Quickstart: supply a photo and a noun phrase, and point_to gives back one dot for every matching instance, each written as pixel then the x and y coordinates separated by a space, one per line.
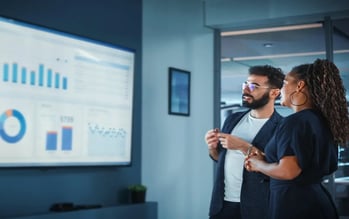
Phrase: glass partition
pixel 286 47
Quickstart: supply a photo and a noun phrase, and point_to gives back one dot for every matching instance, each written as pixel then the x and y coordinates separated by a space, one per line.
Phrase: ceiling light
pixel 226 59
pixel 286 55
pixel 268 45
pixel 271 29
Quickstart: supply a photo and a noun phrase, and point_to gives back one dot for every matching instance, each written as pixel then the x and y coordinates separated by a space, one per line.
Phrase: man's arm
pixel 213 152
pixel 212 141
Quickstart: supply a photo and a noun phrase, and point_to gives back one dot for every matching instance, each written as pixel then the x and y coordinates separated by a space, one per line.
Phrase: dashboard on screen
pixel 65 100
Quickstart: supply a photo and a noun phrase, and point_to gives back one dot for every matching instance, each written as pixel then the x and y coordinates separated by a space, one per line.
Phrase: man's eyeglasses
pixel 252 86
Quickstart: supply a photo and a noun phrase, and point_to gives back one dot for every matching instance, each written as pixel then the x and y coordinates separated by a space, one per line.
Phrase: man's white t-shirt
pixel 246 129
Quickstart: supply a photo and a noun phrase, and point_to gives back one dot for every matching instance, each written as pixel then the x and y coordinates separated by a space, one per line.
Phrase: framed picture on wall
pixel 179 92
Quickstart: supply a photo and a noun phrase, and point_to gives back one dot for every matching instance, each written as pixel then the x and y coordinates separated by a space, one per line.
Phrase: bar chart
pixel 41 77
pixel 66 139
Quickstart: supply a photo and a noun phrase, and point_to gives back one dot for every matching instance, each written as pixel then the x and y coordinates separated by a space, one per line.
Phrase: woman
pixel 304 147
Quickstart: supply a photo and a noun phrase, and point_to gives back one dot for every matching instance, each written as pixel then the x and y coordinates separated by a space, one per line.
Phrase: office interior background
pixel 169 154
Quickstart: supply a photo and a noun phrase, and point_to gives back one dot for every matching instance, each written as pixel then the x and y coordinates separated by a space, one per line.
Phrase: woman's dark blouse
pixel 306 135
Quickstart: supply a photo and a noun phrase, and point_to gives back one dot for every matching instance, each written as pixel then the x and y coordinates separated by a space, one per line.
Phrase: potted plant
pixel 137 192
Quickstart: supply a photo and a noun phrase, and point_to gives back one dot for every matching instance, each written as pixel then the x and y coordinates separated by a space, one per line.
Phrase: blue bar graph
pixel 14 72
pixel 5 75
pixel 64 83
pixel 49 78
pixel 57 80
pixel 67 137
pixel 24 75
pixel 32 78
pixel 51 141
pixel 42 76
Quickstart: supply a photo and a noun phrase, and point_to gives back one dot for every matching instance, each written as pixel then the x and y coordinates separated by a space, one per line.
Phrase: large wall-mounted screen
pixel 65 100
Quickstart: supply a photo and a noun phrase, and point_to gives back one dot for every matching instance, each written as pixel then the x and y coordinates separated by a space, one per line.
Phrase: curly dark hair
pixel 275 75
pixel 328 95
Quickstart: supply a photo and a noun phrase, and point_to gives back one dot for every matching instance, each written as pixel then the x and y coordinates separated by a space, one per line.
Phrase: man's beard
pixel 256 104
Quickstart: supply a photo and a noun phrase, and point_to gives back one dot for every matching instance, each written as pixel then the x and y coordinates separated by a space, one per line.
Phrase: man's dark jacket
pixel 254 195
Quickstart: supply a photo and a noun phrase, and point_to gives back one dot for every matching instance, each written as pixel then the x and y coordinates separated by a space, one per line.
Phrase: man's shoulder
pixel 237 115
pixel 232 119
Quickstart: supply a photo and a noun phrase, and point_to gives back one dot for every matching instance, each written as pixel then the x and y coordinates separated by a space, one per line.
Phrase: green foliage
pixel 137 187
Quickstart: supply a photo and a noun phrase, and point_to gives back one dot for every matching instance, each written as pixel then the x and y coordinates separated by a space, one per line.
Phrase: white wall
pixel 175 163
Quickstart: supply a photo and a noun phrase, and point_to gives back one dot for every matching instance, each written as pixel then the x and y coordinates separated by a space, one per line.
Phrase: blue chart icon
pixel 16 114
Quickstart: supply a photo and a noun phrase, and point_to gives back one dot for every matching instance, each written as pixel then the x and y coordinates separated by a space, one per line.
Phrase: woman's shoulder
pixel 300 118
pixel 306 114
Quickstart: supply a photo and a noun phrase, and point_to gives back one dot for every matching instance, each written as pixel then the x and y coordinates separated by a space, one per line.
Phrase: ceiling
pixel 284 49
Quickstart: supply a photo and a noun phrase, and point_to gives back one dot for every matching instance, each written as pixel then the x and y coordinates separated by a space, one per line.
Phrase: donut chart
pixel 19 116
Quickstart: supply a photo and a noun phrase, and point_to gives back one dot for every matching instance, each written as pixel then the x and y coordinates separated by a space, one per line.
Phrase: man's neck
pixel 263 112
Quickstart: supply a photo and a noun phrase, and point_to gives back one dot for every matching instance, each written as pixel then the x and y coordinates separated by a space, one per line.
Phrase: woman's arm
pixel 286 169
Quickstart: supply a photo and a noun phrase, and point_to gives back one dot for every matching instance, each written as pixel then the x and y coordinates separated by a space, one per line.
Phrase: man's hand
pixel 212 139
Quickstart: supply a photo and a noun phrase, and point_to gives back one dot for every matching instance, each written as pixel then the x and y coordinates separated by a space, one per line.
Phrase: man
pixel 237 193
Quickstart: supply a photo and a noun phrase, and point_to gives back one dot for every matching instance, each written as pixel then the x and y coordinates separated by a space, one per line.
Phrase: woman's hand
pixel 254 160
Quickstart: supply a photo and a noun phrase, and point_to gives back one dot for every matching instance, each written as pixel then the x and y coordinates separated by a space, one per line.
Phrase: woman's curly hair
pixel 328 95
